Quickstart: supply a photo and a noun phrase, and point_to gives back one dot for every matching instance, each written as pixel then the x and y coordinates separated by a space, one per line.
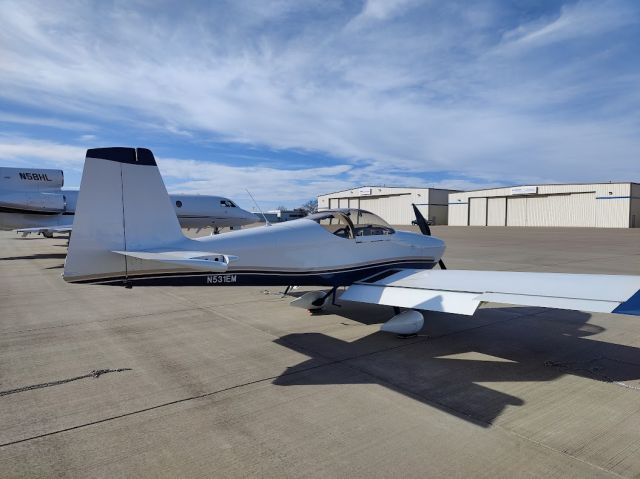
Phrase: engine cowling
pixel 30 179
pixel 21 201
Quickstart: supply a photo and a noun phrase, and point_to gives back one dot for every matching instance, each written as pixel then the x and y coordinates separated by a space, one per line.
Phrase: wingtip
pixel 631 306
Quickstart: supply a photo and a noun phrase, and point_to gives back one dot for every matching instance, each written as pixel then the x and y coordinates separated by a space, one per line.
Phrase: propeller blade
pixel 424 228
pixel 422 223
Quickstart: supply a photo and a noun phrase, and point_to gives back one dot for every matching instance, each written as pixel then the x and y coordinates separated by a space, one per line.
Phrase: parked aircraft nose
pixel 249 217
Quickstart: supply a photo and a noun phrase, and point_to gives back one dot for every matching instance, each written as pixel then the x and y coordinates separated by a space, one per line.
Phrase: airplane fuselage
pixel 299 252
pixel 135 239
pixel 193 211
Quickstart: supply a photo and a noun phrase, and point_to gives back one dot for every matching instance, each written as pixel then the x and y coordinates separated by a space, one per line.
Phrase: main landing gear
pixel 315 300
pixel 405 324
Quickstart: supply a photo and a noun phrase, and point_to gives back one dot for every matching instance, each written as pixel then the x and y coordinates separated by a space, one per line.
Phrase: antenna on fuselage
pixel 266 221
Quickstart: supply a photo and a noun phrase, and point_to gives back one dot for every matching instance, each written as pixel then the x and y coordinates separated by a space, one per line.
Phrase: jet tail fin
pixel 123 205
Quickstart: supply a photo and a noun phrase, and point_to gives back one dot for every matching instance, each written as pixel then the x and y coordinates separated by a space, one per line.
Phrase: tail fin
pixel 122 206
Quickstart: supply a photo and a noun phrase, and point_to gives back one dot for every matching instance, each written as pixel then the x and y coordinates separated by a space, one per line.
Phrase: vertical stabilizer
pixel 122 206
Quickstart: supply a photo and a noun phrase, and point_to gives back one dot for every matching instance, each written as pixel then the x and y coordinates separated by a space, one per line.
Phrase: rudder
pixel 122 205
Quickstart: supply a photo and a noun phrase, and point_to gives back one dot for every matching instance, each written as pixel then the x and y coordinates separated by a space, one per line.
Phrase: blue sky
pixel 292 99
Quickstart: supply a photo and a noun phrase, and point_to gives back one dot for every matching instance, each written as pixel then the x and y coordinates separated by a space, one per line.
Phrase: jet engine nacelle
pixel 33 202
pixel 20 179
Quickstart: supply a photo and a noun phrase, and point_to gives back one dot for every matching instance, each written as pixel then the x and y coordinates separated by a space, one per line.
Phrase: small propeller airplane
pixel 126 232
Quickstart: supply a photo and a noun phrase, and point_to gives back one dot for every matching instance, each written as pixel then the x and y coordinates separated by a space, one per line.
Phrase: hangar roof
pixel 547 184
pixel 390 187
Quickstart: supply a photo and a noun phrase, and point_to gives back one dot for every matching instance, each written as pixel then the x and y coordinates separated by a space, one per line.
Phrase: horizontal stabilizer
pixel 47 229
pixel 461 292
pixel 190 259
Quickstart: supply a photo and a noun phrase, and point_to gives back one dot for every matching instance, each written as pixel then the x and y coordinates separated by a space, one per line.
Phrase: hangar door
pixel 575 209
pixel 517 211
pixel 344 203
pixel 496 211
pixel 477 212
pixel 368 204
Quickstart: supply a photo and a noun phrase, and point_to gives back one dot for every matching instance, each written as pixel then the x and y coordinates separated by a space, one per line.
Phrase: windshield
pixel 366 223
pixel 228 203
pixel 349 223
pixel 335 222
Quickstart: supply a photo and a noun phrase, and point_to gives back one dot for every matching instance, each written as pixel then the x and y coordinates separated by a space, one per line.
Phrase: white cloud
pixel 582 19
pixel 433 88
pixel 270 186
pixel 29 151
pixel 376 10
pixel 44 121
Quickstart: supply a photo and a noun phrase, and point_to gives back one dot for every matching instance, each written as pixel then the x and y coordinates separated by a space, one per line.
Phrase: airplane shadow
pixel 451 368
pixel 36 256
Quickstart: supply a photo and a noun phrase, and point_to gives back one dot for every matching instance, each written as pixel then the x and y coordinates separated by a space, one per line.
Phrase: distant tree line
pixel 309 207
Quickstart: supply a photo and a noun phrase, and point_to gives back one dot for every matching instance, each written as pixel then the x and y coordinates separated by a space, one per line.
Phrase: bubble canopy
pixel 352 223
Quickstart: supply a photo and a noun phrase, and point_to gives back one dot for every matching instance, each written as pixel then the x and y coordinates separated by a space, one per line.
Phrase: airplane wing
pixel 461 292
pixel 199 260
pixel 45 229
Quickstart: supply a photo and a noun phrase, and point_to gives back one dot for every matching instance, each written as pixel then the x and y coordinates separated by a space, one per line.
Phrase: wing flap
pixel 430 300
pixel 578 304
pixel 462 292
pixel 200 260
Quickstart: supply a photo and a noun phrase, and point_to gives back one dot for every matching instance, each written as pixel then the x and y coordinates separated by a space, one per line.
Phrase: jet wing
pixel 45 229
pixel 461 292
pixel 200 260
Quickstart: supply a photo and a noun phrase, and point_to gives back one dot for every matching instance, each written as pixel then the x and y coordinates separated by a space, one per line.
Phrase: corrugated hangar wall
pixel 603 205
pixel 393 204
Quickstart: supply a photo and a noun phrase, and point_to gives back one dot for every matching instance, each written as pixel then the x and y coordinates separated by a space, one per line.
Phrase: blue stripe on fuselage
pixel 272 278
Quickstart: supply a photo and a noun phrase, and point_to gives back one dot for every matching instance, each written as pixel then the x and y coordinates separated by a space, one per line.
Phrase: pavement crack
pixel 593 369
pixel 191 398
pixel 157 406
pixel 96 373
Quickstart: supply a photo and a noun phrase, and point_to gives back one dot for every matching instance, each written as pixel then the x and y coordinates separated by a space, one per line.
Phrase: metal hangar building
pixel 599 205
pixel 393 204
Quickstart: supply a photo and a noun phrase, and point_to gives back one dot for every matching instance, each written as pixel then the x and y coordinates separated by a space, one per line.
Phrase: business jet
pixel 33 201
pixel 126 233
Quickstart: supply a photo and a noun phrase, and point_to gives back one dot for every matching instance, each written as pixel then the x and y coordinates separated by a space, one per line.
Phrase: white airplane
pixel 125 233
pixel 33 201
